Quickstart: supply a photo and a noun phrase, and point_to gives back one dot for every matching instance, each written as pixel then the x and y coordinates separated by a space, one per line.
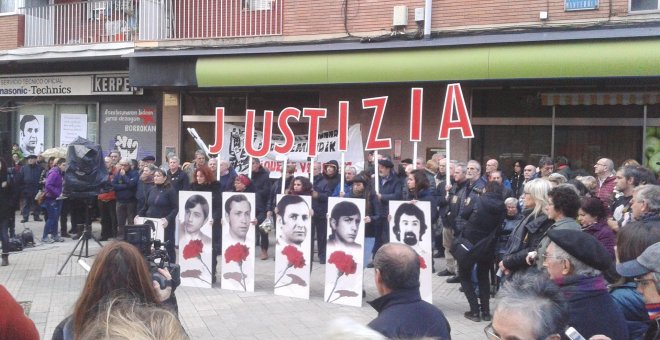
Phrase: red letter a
pixel 454 99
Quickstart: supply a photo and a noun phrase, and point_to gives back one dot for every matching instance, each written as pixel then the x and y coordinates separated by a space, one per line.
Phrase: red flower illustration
pixel 295 258
pixel 422 263
pixel 193 249
pixel 344 262
pixel 237 253
pixel 345 266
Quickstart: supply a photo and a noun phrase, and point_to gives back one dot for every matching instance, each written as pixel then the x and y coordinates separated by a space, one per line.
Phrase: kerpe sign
pixel 78 85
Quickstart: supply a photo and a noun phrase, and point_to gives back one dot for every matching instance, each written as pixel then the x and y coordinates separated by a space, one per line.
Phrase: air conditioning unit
pixel 400 17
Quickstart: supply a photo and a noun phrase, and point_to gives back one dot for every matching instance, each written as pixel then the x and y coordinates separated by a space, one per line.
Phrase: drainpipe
pixel 428 7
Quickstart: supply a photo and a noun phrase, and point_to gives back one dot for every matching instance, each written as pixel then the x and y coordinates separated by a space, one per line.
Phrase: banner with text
pixel 129 128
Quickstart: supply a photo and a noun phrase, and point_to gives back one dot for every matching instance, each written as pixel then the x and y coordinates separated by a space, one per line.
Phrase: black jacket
pixel 179 180
pixel 402 314
pixel 483 217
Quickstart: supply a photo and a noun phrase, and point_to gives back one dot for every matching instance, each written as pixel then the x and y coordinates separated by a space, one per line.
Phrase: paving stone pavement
pixel 213 313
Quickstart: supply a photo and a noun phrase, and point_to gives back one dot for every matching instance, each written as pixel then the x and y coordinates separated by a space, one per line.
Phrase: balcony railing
pixel 93 22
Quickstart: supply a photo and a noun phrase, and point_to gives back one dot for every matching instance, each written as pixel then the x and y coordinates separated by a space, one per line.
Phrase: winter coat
pixel 390 190
pixel 525 238
pixel 54 182
pixel 483 217
pixel 6 196
pixel 261 185
pixel 631 303
pixel 29 179
pixel 126 186
pixel 602 232
pixel 161 202
pixel 179 180
pixel 402 314
pixel 325 187
pixel 508 225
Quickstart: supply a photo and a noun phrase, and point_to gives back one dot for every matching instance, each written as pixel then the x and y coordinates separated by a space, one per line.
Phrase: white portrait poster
pixel 411 224
pixel 195 238
pixel 293 245
pixel 344 268
pixel 31 134
pixel 238 241
pixel 72 126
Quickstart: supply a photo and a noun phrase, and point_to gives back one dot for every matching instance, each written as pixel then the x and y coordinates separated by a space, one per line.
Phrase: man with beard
pixel 409 221
pixel 627 179
pixel 322 190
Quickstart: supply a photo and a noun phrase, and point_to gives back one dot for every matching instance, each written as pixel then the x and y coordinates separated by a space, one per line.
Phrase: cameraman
pixel 119 266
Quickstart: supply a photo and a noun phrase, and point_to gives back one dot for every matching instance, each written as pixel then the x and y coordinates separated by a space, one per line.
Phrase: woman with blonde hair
pixel 527 235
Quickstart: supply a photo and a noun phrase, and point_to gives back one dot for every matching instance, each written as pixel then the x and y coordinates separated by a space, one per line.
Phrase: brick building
pixel 545 78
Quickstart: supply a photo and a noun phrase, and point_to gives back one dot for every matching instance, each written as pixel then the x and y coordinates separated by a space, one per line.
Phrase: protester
pixel 107 205
pixel 52 203
pixel 592 217
pixel 178 178
pixel 119 267
pixel 144 184
pixel 125 318
pixel 323 189
pixel 362 189
pixel 528 306
pixel 30 179
pixel 604 170
pixel 646 203
pixel 162 203
pixel 631 242
pixel 389 189
pixel 125 183
pixel 402 314
pixel 14 324
pixel 483 218
pixel 527 235
pixel 204 181
pixel 575 261
pixel 6 210
pixel 261 184
pixel 645 269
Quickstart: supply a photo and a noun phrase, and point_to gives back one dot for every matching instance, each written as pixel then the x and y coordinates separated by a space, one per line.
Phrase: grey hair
pixel 175 158
pixel 511 200
pixel 557 178
pixel 538 188
pixel 535 298
pixel 224 162
pixel 609 164
pixel 649 194
pixel 579 267
pixel 476 164
pixel 463 167
pixel 200 152
pixel 351 168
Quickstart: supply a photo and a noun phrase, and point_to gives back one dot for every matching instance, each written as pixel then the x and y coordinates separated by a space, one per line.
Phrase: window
pixel 257 5
pixel 644 5
pixel 10 6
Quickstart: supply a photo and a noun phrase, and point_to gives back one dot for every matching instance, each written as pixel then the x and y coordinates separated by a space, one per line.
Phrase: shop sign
pixel 578 5
pixel 76 85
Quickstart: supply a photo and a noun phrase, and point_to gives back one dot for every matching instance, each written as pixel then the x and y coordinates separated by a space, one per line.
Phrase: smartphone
pixel 573 334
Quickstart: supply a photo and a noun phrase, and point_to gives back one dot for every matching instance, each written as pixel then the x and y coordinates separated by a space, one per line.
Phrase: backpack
pixel 15 244
pixel 27 238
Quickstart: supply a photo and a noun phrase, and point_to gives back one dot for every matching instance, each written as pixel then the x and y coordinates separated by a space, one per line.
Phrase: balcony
pixel 99 22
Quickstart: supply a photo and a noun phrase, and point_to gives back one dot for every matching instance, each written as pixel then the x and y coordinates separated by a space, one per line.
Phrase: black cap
pixel 386 161
pixel 407 161
pixel 30 156
pixel 332 163
pixel 583 247
pixel 149 159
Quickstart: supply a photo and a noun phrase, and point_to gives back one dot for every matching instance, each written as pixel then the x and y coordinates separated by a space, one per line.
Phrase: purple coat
pixel 54 181
pixel 602 232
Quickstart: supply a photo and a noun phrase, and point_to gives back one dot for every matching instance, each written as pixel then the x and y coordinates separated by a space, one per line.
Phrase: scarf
pixel 653 310
pixel 576 286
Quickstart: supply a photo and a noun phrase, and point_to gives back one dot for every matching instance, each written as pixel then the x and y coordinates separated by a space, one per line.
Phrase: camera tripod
pixel 86 235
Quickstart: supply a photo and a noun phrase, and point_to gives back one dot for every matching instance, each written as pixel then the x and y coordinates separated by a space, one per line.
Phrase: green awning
pixel 584 59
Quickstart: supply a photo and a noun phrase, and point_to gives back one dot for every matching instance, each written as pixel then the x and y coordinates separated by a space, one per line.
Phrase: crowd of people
pixel 543 233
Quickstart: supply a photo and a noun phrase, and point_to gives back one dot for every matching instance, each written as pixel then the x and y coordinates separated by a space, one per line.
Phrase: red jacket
pixel 605 191
pixel 13 322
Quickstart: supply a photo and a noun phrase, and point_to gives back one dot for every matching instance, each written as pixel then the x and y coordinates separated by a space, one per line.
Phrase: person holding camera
pixel 119 268
pixel 162 202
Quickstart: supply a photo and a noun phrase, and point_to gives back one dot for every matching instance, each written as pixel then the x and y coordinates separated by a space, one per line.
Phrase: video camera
pixel 140 237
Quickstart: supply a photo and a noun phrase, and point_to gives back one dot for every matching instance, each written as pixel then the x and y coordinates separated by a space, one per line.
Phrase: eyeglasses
pixel 490 332
pixel 552 257
pixel 644 282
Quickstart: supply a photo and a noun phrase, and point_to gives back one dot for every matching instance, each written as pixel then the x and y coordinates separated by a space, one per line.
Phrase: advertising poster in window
pixel 195 238
pixel 72 126
pixel 129 128
pixel 344 269
pixel 31 134
pixel 411 224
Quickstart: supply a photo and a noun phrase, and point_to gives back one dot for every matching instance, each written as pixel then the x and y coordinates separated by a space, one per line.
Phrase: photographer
pixel 119 266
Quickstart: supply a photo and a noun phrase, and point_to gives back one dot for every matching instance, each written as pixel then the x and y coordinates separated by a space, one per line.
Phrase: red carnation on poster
pixel 295 259
pixel 237 253
pixel 194 249
pixel 422 263
pixel 345 266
